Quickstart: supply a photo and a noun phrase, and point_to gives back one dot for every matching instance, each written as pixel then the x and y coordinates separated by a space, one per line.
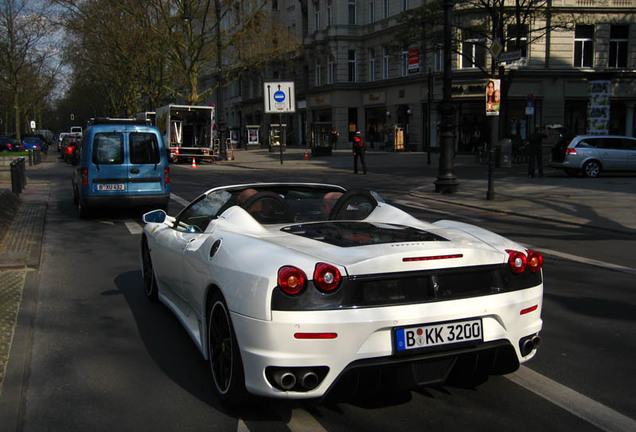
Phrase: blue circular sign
pixel 279 96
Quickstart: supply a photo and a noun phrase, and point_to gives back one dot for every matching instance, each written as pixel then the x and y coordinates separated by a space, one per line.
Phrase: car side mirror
pixel 155 216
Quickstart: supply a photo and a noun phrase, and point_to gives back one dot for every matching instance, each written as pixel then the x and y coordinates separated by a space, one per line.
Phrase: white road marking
pixel 302 421
pixel 133 227
pixel 178 199
pixel 589 261
pixel 242 427
pixel 581 406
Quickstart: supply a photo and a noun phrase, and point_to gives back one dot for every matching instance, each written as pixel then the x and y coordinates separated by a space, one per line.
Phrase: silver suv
pixel 591 154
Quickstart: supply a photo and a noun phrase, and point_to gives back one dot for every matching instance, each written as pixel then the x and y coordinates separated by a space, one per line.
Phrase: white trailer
pixel 188 131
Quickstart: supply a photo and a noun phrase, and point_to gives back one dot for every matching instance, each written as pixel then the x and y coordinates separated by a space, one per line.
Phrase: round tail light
pixel 326 277
pixel 291 280
pixel 534 261
pixel 517 261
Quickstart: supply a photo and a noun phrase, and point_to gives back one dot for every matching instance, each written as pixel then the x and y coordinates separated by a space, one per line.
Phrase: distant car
pixel 9 144
pixel 121 164
pixel 291 289
pixel 593 154
pixel 70 147
pixel 32 143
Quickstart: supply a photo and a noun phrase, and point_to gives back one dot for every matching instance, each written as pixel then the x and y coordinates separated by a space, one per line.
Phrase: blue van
pixel 121 163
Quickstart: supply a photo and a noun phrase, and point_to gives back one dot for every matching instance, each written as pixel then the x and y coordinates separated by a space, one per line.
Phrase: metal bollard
pixel 18 175
pixel 30 157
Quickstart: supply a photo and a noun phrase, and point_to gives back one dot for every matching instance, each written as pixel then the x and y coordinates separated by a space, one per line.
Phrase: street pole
pixel 494 134
pixel 446 181
pixel 219 81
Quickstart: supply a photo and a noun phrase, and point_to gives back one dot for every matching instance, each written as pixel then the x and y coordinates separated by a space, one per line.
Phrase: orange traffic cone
pixel 194 163
pixel 306 154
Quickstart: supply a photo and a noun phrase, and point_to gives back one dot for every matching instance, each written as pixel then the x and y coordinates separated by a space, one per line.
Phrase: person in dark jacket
pixel 535 154
pixel 359 149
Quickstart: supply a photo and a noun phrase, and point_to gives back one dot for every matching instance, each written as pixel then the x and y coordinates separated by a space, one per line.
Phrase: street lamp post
pixel 446 180
pixel 220 121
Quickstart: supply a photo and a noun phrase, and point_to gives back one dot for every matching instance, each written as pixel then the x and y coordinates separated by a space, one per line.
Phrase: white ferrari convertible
pixel 293 290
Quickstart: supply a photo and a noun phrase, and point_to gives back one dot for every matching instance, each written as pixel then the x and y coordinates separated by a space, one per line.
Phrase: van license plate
pixel 425 336
pixel 110 187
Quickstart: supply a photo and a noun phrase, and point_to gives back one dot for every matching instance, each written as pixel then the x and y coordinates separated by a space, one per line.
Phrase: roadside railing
pixel 18 175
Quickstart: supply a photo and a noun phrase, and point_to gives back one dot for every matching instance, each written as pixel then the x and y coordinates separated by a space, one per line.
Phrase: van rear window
pixel 108 148
pixel 144 148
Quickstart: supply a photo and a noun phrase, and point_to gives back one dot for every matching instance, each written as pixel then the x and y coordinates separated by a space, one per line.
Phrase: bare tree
pixel 26 70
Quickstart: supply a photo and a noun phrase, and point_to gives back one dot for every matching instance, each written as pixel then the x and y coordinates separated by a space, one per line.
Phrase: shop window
pixel 317 15
pixel 318 73
pixel 473 50
pixel 352 12
pixel 619 35
pixel 518 39
pixel 352 66
pixel 584 46
pixel 371 64
pixel 404 63
pixel 438 58
pixel 331 67
pixel 385 63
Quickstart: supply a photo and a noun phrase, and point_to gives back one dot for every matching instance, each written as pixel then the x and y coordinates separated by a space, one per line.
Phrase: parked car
pixel 593 154
pixel 291 290
pixel 32 143
pixel 121 164
pixel 9 144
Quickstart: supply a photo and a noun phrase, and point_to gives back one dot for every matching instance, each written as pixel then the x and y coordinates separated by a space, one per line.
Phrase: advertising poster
pixel 493 97
pixel 598 112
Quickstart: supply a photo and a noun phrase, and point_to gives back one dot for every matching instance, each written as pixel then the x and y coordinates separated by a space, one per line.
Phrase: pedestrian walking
pixel 535 153
pixel 359 149
pixel 333 138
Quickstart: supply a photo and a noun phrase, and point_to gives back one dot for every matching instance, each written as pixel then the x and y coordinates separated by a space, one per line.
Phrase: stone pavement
pixel 21 233
pixel 606 203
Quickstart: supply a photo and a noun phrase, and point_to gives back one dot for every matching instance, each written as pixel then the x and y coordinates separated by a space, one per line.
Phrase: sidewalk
pixel 606 203
pixel 21 234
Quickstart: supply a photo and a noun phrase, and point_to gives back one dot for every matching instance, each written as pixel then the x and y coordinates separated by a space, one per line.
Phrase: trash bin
pixel 503 153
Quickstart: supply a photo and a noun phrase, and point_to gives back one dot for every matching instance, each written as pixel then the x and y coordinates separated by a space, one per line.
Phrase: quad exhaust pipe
pixel 529 343
pixel 294 379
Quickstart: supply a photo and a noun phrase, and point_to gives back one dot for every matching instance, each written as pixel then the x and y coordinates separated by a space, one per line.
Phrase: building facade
pixel 356 74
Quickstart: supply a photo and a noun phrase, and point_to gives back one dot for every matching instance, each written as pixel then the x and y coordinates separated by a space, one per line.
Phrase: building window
pixel 352 12
pixel 317 15
pixel 329 10
pixel 438 58
pixel 318 71
pixel 331 67
pixel 518 39
pixel 473 50
pixel 404 4
pixel 371 11
pixel 385 63
pixel 371 64
pixel 352 66
pixel 584 46
pixel 385 8
pixel 619 35
pixel 404 63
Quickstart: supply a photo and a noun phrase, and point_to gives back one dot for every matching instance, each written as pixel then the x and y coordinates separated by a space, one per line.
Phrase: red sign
pixel 414 60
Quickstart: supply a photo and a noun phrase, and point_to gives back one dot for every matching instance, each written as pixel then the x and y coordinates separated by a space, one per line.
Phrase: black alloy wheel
pixel 223 354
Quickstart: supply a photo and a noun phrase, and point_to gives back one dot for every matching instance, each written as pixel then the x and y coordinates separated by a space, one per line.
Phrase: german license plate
pixel 110 187
pixel 430 335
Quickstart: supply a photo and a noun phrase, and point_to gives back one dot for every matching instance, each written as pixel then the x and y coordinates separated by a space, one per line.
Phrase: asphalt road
pixel 104 358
